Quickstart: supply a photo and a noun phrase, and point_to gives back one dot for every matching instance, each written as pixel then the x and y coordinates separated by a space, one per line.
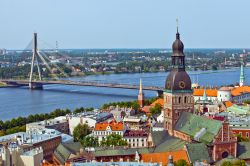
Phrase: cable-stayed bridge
pixel 40 56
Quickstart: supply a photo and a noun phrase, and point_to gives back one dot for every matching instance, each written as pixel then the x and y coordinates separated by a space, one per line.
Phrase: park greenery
pixel 80 131
pixel 114 140
pixel 181 162
pixel 81 134
pixel 233 163
pixel 156 109
pixel 89 141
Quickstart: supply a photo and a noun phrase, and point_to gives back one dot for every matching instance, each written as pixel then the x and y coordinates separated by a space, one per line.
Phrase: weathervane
pixel 177 24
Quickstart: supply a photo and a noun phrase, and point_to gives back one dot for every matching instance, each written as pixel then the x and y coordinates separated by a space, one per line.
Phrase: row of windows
pixel 185 99
pixel 137 145
pixel 133 140
pixel 247 134
pixel 107 132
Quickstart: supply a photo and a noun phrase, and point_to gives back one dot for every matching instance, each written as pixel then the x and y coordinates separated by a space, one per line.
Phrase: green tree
pixel 181 162
pixel 239 163
pixel 80 131
pixel 90 141
pixel 156 109
pixel 114 140
pixel 135 106
pixel 226 163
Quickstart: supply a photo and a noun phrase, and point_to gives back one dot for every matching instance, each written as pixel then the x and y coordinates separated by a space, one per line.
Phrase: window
pixel 240 133
pixel 185 99
pixel 247 134
pixel 179 99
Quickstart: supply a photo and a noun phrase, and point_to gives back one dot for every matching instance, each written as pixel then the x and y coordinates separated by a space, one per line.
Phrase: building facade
pixel 103 129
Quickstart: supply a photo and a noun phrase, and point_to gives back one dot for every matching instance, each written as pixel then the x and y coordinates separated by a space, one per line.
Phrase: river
pixel 16 102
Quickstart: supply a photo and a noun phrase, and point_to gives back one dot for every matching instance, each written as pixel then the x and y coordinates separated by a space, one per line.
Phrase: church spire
pixel 141 95
pixel 177 29
pixel 140 91
pixel 242 75
pixel 205 95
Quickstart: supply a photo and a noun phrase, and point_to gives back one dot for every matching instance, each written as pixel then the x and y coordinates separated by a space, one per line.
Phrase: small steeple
pixel 141 95
pixel 204 95
pixel 177 29
pixel 140 91
pixel 242 75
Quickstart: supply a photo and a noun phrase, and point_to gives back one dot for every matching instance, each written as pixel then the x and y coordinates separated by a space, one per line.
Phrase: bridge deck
pixel 95 84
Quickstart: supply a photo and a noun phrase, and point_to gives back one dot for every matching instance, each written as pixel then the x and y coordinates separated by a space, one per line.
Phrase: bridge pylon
pixel 33 84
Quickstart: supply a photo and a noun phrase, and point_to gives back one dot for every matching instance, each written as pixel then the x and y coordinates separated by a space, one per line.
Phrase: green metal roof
pixel 192 124
pixel 61 153
pixel 198 152
pixel 239 110
pixel 73 147
pixel 164 142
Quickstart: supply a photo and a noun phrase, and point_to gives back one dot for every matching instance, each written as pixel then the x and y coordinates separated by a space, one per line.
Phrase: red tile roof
pixel 238 91
pixel 158 101
pixel 115 126
pixel 163 157
pixel 209 92
pixel 228 104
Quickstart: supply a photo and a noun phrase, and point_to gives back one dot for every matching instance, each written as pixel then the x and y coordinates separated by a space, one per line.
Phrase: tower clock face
pixel 182 84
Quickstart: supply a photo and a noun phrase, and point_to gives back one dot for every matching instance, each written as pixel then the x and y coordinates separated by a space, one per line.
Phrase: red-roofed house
pixel 104 129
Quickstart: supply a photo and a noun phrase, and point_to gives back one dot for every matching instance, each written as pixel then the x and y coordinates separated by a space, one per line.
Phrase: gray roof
pixel 62 153
pixel 243 150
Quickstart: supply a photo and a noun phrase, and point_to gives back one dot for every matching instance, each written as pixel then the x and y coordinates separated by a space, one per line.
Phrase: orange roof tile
pixel 228 104
pixel 239 90
pixel 209 92
pixel 163 157
pixel 158 101
pixel 115 126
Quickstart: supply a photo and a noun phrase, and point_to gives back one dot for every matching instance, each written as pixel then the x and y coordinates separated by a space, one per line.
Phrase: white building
pixel 224 94
pixel 59 124
pixel 89 118
pixel 14 155
pixel 136 138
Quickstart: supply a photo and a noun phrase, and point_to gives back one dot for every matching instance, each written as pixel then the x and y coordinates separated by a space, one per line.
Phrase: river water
pixel 16 102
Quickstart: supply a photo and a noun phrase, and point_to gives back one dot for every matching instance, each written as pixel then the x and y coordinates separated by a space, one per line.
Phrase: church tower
pixel 178 94
pixel 242 75
pixel 141 96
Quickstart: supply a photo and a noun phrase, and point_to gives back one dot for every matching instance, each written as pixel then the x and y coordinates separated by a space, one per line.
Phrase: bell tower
pixel 178 94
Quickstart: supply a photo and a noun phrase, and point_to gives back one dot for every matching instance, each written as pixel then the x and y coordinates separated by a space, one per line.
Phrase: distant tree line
pixel 129 104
